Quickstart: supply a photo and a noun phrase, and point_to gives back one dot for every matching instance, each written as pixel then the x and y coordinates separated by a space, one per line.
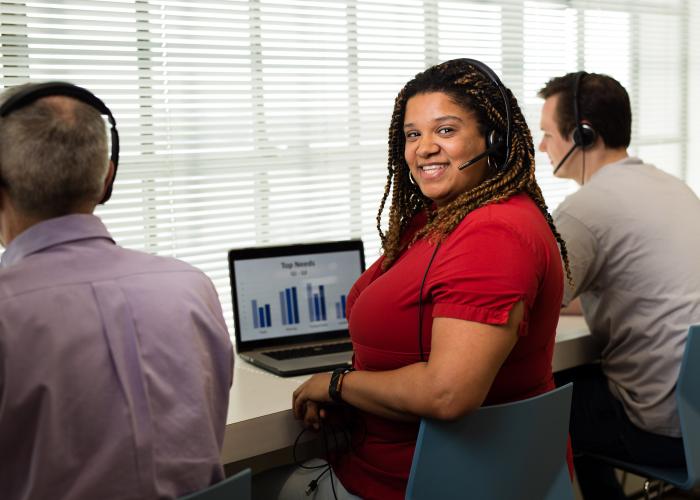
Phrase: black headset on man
pixel 497 147
pixel 35 92
pixel 584 135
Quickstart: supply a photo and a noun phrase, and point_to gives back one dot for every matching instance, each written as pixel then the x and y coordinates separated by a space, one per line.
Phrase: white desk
pixel 260 417
pixel 574 345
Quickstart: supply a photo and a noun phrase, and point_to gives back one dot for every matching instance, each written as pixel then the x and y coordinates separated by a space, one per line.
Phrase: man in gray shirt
pixel 632 237
pixel 115 365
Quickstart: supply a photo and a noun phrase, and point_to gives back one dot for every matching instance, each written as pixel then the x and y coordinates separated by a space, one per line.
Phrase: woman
pixel 461 309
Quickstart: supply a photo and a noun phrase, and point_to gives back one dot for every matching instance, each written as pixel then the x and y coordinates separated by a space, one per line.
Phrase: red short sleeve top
pixel 498 255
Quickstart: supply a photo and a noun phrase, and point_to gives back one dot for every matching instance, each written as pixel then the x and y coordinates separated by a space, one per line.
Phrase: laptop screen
pixel 292 293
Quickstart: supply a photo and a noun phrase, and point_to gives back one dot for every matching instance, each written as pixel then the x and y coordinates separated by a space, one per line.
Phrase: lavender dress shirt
pixel 115 369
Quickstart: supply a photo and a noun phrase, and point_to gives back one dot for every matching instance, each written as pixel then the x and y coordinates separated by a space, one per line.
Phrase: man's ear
pixel 109 179
pixel 3 194
pixel 5 211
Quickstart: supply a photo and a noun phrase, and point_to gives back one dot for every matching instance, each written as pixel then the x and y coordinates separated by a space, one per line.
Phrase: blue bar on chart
pixel 296 304
pixel 268 319
pixel 340 308
pixel 289 306
pixel 322 299
pixel 261 315
pixel 317 303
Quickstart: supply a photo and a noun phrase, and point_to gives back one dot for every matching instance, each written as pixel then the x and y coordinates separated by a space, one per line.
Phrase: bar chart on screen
pixel 295 294
pixel 261 315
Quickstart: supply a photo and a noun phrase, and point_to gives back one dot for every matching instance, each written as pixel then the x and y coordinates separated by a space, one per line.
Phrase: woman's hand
pixel 306 399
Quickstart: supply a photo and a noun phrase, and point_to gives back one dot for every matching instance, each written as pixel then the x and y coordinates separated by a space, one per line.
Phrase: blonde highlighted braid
pixel 468 87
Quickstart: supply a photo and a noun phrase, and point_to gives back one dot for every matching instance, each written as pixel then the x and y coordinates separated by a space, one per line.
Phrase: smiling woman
pixel 462 308
pixel 458 141
pixel 440 137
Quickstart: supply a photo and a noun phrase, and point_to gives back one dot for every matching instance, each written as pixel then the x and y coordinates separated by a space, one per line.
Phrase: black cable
pixel 313 484
pixel 311 487
pixel 330 469
pixel 294 454
pixel 420 304
pixel 330 472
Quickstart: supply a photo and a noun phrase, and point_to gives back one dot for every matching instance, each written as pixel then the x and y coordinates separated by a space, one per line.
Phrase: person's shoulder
pixel 143 262
pixel 656 175
pixel 581 202
pixel 518 212
pixel 617 176
pixel 515 217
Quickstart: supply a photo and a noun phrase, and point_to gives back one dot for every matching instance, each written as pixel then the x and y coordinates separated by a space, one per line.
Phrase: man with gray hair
pixel 115 365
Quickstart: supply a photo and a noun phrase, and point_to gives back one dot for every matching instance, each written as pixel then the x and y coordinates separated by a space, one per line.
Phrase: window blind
pixel 265 121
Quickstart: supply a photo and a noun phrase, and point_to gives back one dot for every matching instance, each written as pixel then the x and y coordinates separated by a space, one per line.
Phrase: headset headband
pixel 577 84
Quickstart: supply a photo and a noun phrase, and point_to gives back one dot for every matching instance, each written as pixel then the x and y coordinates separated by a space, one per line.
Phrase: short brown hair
pixel 602 101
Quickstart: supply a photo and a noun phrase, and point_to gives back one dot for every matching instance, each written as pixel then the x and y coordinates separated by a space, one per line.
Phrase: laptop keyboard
pixel 305 352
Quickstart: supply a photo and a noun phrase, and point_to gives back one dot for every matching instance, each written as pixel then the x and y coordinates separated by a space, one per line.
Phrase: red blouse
pixel 498 255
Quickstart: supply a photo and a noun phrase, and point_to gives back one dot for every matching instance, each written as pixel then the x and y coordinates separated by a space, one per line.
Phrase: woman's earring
pixel 411 179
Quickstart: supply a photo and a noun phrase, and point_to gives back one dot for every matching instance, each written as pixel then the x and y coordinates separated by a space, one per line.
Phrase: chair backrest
pixel 236 487
pixel 688 400
pixel 513 450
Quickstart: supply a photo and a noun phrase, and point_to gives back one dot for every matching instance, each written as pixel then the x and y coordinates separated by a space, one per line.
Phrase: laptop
pixel 289 304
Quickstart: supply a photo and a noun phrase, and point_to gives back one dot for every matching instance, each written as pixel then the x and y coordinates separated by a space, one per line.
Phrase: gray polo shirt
pixel 633 237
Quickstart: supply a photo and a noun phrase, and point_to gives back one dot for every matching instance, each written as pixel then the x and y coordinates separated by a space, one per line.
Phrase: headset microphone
pixel 566 157
pixel 478 157
pixel 493 143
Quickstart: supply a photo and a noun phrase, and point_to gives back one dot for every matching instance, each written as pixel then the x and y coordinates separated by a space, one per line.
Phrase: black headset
pixel 584 135
pixel 35 92
pixel 494 140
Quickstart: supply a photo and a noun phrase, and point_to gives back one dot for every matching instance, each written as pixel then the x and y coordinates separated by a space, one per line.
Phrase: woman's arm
pixel 464 360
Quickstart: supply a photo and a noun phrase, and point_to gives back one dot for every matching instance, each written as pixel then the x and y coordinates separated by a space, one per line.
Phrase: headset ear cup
pixel 584 135
pixel 491 139
pixel 495 146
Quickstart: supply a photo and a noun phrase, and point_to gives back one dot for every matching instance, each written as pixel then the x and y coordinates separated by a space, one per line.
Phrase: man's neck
pixel 14 222
pixel 597 158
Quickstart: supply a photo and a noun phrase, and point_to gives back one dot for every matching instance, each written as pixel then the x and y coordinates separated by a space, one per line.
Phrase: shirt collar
pixel 53 232
pixel 629 160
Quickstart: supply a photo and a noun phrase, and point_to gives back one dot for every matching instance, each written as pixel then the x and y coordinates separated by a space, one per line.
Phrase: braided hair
pixel 470 88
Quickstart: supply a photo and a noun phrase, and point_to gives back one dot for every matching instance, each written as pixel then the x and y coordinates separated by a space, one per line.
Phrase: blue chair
pixel 688 401
pixel 512 450
pixel 236 487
